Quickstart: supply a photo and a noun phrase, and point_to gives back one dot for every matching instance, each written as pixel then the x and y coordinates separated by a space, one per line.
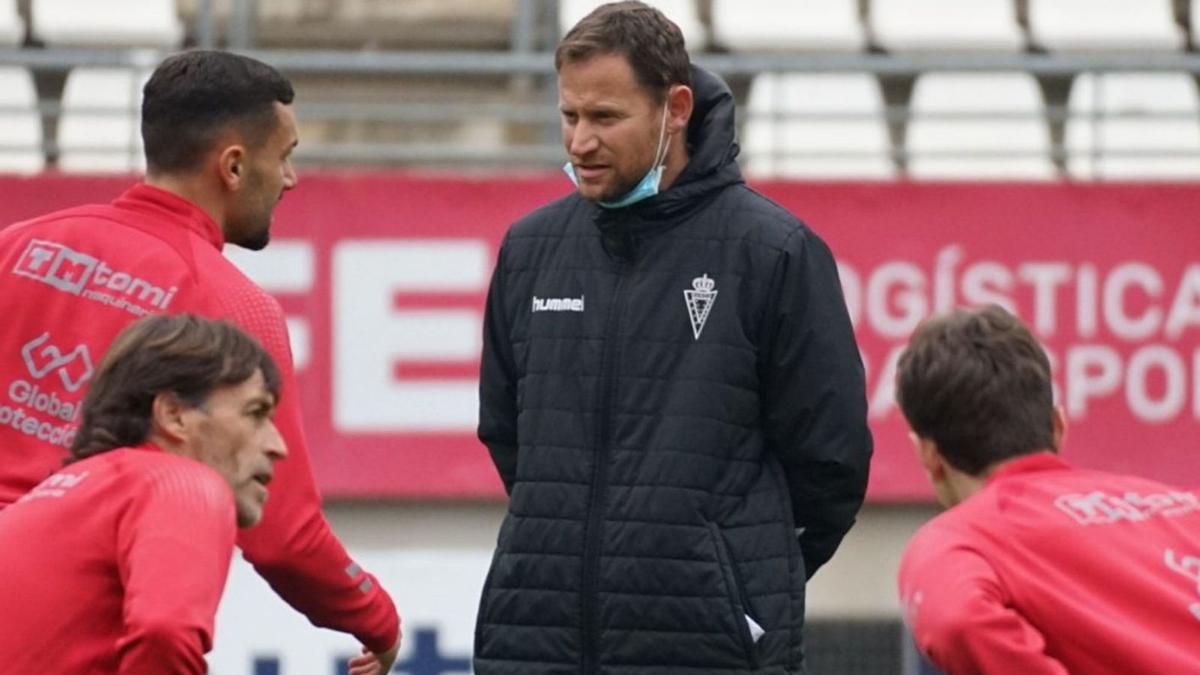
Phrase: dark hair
pixel 977 383
pixel 183 355
pixel 651 42
pixel 195 95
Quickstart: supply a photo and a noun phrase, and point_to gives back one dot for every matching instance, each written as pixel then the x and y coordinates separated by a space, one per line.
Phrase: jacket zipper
pixel 594 529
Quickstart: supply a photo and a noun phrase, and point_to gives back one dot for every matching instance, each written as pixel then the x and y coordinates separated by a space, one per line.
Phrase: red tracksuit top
pixel 69 282
pixel 98 575
pixel 1050 569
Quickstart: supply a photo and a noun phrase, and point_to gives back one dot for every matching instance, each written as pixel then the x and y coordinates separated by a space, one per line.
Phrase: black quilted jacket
pixel 674 400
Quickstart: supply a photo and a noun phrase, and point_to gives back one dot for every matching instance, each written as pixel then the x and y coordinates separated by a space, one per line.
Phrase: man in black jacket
pixel 671 391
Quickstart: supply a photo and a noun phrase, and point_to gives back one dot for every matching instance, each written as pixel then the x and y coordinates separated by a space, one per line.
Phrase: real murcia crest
pixel 700 300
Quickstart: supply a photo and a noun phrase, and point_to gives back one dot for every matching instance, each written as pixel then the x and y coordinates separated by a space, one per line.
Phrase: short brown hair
pixel 195 95
pixel 977 383
pixel 651 42
pixel 185 355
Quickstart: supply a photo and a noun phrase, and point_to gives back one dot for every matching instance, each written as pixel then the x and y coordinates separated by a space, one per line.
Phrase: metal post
pixel 206 32
pixel 242 20
pixel 523 40
pixel 553 133
pixel 1094 118
pixel 524 26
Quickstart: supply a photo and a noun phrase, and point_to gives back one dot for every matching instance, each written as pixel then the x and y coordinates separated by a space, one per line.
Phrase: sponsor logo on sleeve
pixel 1102 508
pixel 91 278
pixel 56 486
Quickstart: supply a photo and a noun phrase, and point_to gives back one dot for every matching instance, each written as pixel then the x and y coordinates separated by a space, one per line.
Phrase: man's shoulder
pixel 174 478
pixel 552 219
pixel 84 214
pixel 946 530
pixel 759 218
pixel 229 284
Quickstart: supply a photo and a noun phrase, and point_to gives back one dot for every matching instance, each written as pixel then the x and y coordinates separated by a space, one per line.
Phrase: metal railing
pixel 524 93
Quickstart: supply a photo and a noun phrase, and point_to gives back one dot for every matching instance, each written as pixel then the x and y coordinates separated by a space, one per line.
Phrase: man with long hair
pixel 219 131
pixel 116 563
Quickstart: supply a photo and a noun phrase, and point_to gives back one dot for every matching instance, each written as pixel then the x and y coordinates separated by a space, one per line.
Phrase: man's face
pixel 610 125
pixel 269 174
pixel 234 434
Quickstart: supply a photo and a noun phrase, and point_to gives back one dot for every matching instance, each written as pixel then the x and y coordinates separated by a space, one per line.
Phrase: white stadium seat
pixel 1142 126
pixel 978 126
pixel 98 131
pixel 12 29
pixel 933 25
pixel 106 23
pixel 1104 25
pixel 794 25
pixel 684 13
pixel 837 129
pixel 20 124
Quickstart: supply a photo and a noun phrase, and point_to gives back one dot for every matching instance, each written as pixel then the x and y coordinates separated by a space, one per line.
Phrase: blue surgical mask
pixel 648 186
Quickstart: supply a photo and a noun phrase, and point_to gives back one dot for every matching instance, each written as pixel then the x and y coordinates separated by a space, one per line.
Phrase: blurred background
pixel 1042 154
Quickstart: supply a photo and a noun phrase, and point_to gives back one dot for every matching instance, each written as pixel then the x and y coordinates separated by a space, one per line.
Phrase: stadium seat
pixel 978 126
pixel 110 23
pixel 796 25
pixel 1104 25
pixel 1142 126
pixel 836 129
pixel 12 29
pixel 98 131
pixel 20 124
pixel 933 25
pixel 683 12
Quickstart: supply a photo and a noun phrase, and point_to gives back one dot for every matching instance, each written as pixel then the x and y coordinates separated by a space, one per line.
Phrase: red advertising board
pixel 383 276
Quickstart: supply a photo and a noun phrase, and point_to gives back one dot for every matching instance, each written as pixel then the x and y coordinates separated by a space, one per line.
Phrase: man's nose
pixel 583 140
pixel 290 178
pixel 272 442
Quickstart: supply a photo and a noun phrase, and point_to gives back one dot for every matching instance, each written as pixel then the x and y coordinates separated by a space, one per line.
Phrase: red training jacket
pixel 99 577
pixel 1050 569
pixel 69 282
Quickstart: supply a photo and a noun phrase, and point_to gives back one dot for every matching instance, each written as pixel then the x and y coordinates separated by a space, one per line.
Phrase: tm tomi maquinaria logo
pixel 700 301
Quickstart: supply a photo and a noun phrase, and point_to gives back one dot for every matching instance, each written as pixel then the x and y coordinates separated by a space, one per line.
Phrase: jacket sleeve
pixel 498 382
pixel 173 576
pixel 293 548
pixel 814 397
pixel 962 620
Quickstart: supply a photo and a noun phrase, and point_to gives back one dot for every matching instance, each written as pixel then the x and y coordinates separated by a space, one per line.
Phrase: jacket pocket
pixel 736 593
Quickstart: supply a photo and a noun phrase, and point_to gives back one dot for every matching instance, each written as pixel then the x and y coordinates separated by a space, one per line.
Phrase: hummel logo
pixel 700 301
pixel 558 304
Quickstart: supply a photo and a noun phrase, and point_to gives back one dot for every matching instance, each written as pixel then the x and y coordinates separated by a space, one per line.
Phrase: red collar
pixel 149 199
pixel 1038 461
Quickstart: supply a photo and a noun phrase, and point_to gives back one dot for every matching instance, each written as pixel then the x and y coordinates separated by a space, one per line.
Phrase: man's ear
pixel 231 166
pixel 1060 427
pixel 167 416
pixel 680 102
pixel 927 453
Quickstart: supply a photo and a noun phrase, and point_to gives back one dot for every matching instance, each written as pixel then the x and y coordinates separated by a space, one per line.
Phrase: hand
pixel 370 663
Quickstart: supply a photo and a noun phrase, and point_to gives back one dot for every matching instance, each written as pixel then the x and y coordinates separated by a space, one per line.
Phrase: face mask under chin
pixel 648 186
